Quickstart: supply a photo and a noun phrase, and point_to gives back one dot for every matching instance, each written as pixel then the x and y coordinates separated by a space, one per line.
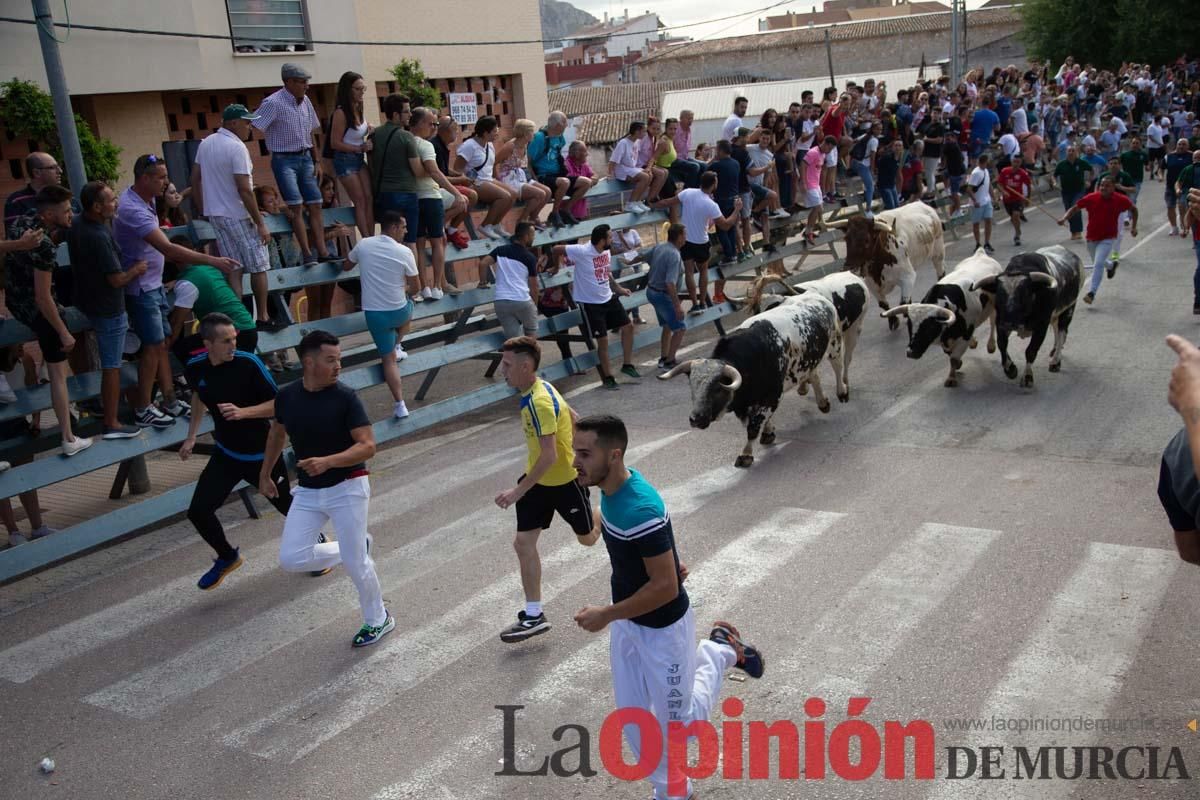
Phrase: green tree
pixel 1155 33
pixel 412 83
pixel 28 111
pixel 1108 33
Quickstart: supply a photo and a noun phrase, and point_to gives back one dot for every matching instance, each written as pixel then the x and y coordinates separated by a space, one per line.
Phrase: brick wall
pixel 493 95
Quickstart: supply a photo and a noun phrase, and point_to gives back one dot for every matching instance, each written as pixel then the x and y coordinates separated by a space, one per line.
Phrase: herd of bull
pixel 788 337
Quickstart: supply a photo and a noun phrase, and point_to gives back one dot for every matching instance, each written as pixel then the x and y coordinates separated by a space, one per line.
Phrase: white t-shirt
pixel 729 129
pixel 593 271
pixel 1154 135
pixel 1088 139
pixel 759 157
pixel 479 159
pixel 383 265
pixel 186 294
pixel 1010 145
pixel 808 131
pixel 221 156
pixel 628 241
pixel 1020 123
pixel 515 265
pixel 980 184
pixel 427 187
pixel 697 210
pixel 625 153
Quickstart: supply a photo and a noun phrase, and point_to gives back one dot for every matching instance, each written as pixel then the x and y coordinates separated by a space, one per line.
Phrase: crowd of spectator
pixel 415 178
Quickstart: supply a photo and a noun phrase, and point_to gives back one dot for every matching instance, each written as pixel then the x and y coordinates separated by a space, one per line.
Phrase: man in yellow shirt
pixel 549 484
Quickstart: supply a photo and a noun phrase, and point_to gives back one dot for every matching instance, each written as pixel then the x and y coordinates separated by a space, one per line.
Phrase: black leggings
pixel 217 480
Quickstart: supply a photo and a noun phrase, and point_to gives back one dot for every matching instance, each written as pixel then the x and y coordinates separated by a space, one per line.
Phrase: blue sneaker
pixel 749 659
pixel 368 634
pixel 220 568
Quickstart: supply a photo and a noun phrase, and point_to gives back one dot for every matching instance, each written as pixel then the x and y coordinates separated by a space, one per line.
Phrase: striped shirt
pixel 287 125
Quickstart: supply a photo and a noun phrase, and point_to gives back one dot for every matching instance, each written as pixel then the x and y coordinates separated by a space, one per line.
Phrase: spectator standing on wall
pixel 223 190
pixel 349 137
pixel 287 119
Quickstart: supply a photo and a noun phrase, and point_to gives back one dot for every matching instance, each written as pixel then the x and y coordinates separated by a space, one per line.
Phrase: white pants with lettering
pixel 664 671
pixel 1099 251
pixel 346 506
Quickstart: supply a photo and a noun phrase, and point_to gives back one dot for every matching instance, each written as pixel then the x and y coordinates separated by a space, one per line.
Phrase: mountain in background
pixel 560 19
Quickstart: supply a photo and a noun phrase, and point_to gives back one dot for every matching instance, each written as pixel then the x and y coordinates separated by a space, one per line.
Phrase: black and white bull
pixel 886 250
pixel 753 365
pixel 845 290
pixel 952 310
pixel 1036 290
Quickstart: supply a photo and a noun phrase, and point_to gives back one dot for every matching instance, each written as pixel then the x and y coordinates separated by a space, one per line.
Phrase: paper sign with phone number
pixel 463 108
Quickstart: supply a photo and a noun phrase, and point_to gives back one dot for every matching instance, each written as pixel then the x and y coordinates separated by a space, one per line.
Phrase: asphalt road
pixel 985 552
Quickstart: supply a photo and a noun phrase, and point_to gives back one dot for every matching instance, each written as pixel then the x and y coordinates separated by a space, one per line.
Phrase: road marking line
pixel 730 575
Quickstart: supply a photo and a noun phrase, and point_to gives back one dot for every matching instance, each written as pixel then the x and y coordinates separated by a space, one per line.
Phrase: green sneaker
pixel 610 383
pixel 368 635
pixel 630 370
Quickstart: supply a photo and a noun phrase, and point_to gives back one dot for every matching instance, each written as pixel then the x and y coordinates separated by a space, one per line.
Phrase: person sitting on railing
pixel 623 165
pixel 476 159
pixel 686 167
pixel 548 166
pixel 139 238
pixel 435 193
pixel 31 299
pixel 447 135
pixel 578 167
pixel 387 267
pixel 349 137
pixel 704 154
pixel 512 170
pixel 647 157
pixel 516 282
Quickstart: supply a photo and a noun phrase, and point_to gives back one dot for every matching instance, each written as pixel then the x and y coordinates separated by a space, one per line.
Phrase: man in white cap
pixel 287 119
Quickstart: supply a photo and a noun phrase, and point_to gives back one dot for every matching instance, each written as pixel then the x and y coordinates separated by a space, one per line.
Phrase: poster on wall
pixel 463 108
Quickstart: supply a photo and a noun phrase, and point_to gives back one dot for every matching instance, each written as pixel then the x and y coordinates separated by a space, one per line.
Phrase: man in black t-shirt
pixel 332 439
pixel 933 133
pixel 241 393
pixel 656 664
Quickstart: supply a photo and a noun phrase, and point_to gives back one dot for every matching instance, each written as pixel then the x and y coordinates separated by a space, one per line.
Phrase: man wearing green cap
pixel 223 189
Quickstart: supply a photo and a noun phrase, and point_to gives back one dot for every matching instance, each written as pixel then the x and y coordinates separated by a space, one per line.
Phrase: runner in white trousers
pixel 656 664
pixel 332 438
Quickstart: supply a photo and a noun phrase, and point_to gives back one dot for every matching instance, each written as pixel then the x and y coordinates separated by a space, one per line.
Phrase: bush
pixel 29 112
pixel 412 83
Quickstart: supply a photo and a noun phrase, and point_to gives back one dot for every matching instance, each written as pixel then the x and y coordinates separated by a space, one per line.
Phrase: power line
pixel 229 37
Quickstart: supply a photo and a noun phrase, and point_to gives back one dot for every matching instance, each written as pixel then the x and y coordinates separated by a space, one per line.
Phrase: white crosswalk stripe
pixel 145 693
pixel 866 626
pixel 731 574
pixel 365 688
pixel 1077 658
pixel 34 656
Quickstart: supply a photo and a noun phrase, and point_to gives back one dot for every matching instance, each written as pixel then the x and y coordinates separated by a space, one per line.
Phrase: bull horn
pixel 987 284
pixel 735 377
pixel 891 312
pixel 679 369
pixel 947 316
pixel 838 225
pixel 1044 278
pixel 882 225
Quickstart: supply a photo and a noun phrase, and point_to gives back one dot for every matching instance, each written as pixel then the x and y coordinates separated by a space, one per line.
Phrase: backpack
pixel 859 151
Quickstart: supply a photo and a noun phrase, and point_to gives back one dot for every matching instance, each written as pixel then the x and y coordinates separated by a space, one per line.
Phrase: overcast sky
pixel 683 12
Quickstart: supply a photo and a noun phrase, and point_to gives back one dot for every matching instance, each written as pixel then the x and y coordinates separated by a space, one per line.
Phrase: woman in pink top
pixel 577 167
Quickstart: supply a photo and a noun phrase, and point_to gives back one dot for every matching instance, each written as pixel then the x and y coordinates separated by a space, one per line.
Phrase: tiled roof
pixel 608 127
pixel 624 96
pixel 866 29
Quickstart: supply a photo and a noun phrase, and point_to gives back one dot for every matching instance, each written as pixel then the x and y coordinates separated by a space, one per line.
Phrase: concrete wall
pixel 999 53
pixel 784 63
pixel 135 122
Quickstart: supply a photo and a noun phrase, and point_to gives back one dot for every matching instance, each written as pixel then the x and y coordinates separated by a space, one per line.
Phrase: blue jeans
pixel 110 338
pixel 295 179
pixel 727 238
pixel 890 197
pixel 1076 222
pixel 686 170
pixel 149 315
pixel 863 171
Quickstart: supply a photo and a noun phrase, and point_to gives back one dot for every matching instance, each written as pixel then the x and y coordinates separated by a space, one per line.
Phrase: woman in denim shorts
pixel 348 138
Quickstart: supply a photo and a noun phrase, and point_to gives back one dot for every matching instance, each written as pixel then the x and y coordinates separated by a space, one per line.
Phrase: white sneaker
pixel 438 294
pixel 5 466
pixel 427 293
pixel 502 232
pixel 401 353
pixel 638 207
pixel 45 530
pixel 779 213
pixel 417 298
pixel 7 395
pixel 80 444
pixel 17 539
pixel 490 232
pixel 400 411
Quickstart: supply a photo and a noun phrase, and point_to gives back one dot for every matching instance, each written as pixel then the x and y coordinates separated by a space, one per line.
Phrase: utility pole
pixel 829 58
pixel 64 116
pixel 955 58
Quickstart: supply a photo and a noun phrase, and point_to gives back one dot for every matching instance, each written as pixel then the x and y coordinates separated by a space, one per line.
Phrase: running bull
pixel 1035 291
pixel 886 250
pixel 951 311
pixel 750 368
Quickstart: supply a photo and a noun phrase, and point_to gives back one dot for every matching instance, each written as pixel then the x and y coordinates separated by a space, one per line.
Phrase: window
pixel 268 26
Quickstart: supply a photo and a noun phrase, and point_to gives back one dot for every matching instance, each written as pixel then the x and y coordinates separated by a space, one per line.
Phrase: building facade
pixel 141 91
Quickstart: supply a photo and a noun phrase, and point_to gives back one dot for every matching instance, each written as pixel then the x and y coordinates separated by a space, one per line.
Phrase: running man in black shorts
pixel 241 393
pixel 548 485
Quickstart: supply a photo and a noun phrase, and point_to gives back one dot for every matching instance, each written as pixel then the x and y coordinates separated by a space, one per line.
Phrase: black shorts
pixel 551 181
pixel 431 218
pixel 571 500
pixel 1013 208
pixel 48 340
pixel 669 189
pixel 1177 515
pixel 700 253
pixel 1157 153
pixel 600 318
